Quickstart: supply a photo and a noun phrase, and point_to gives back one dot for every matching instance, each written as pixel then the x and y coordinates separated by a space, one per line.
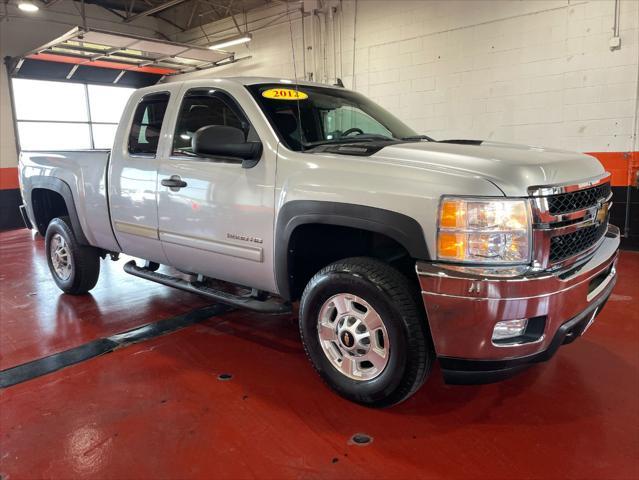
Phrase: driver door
pixel 220 222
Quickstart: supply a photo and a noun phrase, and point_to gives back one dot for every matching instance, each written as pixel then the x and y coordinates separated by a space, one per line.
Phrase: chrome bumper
pixel 463 306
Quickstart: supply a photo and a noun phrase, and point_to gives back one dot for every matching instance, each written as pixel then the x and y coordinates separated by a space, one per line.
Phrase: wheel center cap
pixel 347 339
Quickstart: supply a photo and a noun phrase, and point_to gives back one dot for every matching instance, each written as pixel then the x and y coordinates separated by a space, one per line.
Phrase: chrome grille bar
pixel 565 237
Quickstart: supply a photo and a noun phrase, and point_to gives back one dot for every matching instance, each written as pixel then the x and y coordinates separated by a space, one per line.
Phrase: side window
pixel 147 123
pixel 204 107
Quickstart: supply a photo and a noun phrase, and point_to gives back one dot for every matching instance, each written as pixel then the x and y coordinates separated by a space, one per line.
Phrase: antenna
pixel 297 95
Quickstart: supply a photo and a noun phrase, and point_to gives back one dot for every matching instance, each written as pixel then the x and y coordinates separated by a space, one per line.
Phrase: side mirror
pixel 223 141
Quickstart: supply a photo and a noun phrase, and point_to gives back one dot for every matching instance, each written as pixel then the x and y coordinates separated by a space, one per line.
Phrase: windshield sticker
pixel 284 94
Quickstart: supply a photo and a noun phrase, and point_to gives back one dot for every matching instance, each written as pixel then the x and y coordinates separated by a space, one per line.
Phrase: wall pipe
pixel 303 43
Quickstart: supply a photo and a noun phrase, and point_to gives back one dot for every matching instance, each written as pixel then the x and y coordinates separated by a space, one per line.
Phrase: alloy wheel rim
pixel 60 257
pixel 353 337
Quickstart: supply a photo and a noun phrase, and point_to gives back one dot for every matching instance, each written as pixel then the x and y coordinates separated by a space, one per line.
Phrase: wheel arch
pixel 48 188
pixel 405 231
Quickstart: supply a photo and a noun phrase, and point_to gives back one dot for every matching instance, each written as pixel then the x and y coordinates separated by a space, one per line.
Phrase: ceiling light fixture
pixel 229 42
pixel 28 7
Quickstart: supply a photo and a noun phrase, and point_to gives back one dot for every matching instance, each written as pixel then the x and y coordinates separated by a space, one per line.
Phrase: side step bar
pixel 260 306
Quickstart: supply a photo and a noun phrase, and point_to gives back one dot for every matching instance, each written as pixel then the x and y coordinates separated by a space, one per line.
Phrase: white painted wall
pixel 21 32
pixel 270 50
pixel 535 72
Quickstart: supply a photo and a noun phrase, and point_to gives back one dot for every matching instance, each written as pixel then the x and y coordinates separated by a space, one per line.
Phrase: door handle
pixel 174 183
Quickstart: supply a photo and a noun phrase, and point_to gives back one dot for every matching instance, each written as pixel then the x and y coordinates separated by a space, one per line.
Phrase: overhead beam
pixel 151 11
pixel 170 22
pixel 50 3
pixel 114 12
pixel 129 10
pixel 213 10
pixel 229 9
pixel 196 6
pixel 157 32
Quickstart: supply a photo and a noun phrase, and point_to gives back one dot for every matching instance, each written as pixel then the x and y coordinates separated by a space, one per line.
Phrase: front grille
pixel 569 202
pixel 571 244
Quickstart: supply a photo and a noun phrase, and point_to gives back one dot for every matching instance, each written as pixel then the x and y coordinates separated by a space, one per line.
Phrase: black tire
pixel 392 296
pixel 84 260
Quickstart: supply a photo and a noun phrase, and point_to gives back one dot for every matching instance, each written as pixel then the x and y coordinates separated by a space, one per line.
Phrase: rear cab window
pixel 147 124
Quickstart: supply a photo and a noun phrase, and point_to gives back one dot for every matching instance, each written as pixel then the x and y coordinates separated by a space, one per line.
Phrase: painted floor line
pixel 52 363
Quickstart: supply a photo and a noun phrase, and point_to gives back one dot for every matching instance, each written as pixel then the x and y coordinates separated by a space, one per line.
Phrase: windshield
pixel 328 115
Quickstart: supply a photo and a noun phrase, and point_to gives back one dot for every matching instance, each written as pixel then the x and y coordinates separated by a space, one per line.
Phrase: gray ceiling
pixel 181 14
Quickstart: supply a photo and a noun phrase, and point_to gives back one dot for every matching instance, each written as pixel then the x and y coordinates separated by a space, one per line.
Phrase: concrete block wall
pixel 527 72
pixel 534 72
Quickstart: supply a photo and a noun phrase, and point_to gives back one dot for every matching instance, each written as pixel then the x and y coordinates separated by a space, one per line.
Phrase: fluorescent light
pixel 28 7
pixel 228 42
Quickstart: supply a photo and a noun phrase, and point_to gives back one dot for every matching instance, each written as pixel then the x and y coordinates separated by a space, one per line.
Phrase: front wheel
pixel 75 268
pixel 365 333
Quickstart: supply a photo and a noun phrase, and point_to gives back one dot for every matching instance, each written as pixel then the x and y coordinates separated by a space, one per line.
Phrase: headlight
pixel 484 231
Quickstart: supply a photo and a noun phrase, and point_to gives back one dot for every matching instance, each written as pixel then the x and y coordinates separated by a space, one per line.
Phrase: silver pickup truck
pixel 400 249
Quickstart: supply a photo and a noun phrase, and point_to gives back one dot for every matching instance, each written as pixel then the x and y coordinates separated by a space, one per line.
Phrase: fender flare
pixel 62 188
pixel 403 229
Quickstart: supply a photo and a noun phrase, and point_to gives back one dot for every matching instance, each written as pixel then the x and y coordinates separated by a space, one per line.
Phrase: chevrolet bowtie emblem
pixel 602 213
pixel 347 340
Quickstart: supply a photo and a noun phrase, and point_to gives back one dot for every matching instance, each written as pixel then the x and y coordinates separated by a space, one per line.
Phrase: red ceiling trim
pixel 50 57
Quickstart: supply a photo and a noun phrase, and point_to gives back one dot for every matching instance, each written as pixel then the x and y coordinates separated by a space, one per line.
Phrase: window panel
pixel 54 136
pixel 55 101
pixel 107 103
pixel 325 115
pixel 103 135
pixel 55 104
pixel 347 117
pixel 201 108
pixel 147 124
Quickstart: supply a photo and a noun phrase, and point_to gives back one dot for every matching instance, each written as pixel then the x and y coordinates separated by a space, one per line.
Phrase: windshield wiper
pixel 419 137
pixel 367 137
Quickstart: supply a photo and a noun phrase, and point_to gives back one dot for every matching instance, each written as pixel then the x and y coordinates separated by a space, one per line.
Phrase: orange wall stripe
pixel 622 165
pixel 9 178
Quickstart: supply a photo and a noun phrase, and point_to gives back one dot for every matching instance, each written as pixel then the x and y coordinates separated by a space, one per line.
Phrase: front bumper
pixel 463 307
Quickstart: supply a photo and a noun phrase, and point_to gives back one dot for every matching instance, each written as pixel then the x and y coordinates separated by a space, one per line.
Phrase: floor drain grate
pixel 361 439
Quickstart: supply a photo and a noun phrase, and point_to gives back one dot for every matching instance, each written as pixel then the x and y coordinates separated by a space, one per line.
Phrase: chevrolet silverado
pixel 400 249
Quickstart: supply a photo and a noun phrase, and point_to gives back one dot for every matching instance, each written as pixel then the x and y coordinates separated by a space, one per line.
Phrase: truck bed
pixel 84 172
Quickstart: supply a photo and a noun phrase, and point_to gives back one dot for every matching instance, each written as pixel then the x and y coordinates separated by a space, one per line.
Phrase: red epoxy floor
pixel 38 321
pixel 157 410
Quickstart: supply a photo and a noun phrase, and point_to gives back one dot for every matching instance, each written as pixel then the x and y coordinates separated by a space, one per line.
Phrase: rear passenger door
pixel 220 223
pixel 133 172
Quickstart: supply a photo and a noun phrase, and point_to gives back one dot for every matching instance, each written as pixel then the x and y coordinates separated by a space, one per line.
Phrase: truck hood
pixel 512 168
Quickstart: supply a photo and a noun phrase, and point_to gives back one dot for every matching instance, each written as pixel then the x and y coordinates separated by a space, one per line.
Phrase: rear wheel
pixel 75 268
pixel 365 332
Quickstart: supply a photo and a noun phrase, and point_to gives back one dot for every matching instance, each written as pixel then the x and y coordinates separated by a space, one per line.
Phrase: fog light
pixel 510 329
